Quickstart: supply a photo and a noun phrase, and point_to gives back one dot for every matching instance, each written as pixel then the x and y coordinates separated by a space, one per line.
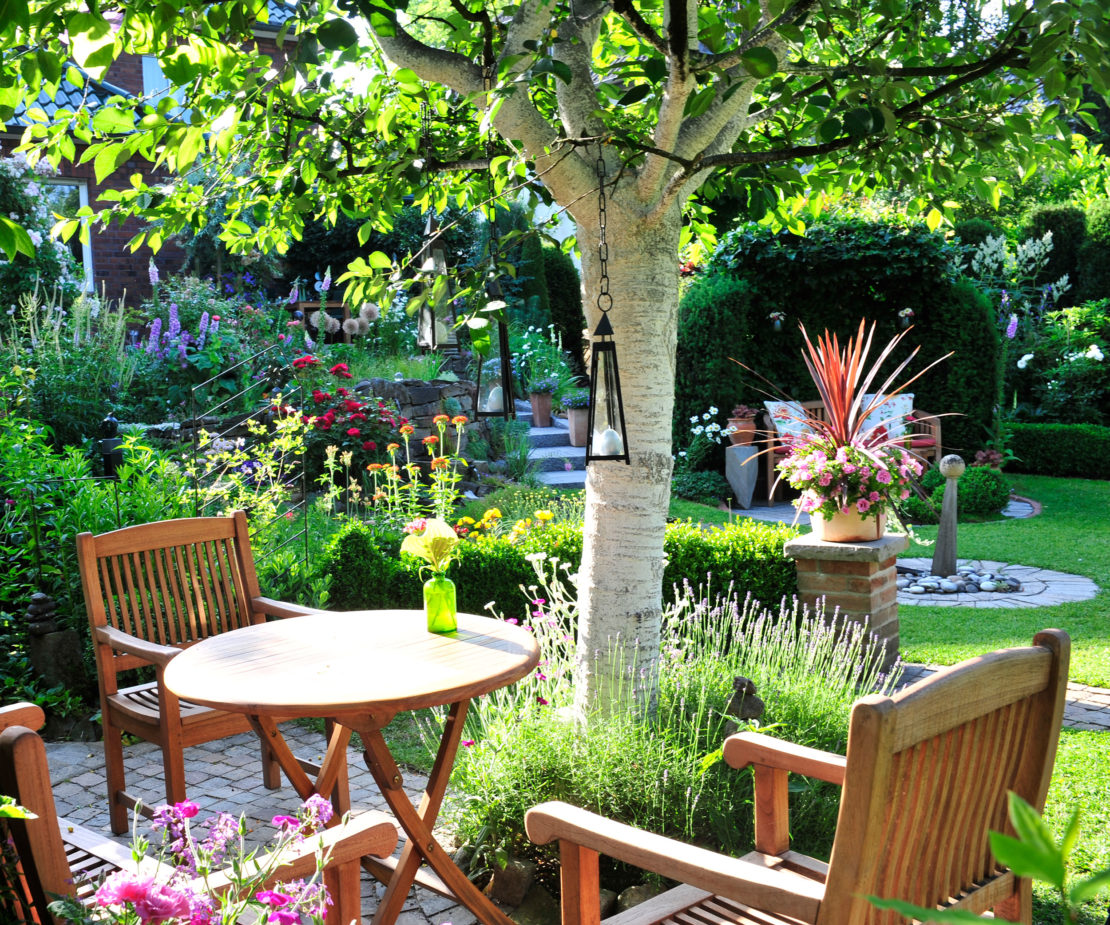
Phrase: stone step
pixel 556 435
pixel 555 458
pixel 563 479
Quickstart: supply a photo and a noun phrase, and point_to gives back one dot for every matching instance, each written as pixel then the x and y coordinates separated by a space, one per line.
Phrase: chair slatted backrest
pixel 173 582
pixel 928 775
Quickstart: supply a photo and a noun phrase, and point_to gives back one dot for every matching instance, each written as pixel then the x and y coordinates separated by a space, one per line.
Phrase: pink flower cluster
pixel 130 897
pixel 840 479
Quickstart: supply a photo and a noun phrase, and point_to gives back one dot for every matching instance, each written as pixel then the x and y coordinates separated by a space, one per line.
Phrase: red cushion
pixel 782 450
pixel 922 441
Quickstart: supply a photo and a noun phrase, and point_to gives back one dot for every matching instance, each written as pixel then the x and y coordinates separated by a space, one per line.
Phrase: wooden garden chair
pixel 151 591
pixel 926 777
pixel 45 858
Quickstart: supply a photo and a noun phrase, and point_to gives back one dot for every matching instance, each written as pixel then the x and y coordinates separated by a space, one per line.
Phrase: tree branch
pixel 639 25
pixel 578 99
pixel 729 59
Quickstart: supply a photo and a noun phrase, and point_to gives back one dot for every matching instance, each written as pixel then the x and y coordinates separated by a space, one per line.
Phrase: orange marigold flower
pixel 393 448
pixel 440 419
pixel 439 462
pixel 375 467
pixel 459 420
pixel 406 429
pixel 430 440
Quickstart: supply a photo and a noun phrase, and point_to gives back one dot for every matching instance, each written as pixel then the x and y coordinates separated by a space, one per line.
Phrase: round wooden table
pixel 358 670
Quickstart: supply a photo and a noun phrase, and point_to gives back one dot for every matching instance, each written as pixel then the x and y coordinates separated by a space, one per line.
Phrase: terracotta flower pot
pixel 743 431
pixel 541 409
pixel 847 528
pixel 578 420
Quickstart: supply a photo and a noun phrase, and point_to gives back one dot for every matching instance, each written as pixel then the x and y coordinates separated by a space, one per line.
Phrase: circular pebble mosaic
pixel 978 583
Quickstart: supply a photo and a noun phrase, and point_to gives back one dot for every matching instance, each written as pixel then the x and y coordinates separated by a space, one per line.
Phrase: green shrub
pixel 1081 450
pixel 564 296
pixel 932 478
pixel 746 554
pixel 704 487
pixel 972 232
pixel 1094 254
pixel 919 511
pixel 1068 225
pixel 713 325
pixel 366 570
pixel 534 307
pixel 842 270
pixel 982 491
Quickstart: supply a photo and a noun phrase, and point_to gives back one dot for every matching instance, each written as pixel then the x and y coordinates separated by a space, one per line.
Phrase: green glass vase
pixel 439 604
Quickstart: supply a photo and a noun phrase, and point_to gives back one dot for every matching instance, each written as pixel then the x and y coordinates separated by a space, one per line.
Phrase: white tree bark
pixel 621 578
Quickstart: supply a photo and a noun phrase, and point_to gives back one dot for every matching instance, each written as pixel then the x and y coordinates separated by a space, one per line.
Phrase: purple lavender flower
pixel 155 335
pixel 153 274
pixel 202 328
pixel 1011 328
pixel 294 295
pixel 175 322
pixel 181 357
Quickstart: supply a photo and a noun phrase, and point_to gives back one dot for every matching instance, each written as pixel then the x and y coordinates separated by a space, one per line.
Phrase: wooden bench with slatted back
pixel 152 590
pixel 44 858
pixel 925 780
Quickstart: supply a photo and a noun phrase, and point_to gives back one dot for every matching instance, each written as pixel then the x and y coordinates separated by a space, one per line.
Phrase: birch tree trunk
pixel 621 578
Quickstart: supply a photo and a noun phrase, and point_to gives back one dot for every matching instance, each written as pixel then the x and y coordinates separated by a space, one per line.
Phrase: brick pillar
pixel 859 578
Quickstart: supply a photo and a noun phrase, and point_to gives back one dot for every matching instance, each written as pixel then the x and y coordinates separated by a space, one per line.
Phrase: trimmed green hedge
pixel 1081 450
pixel 367 571
pixel 841 271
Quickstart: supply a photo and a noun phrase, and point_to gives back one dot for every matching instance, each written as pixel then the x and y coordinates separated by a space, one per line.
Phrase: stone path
pixel 227 776
pixel 1086 707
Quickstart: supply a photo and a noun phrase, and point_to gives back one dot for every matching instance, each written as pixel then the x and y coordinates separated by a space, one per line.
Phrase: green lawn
pixel 1071 535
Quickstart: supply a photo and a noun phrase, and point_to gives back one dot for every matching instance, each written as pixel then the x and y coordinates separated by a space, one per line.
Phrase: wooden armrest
pixel 786 892
pixel 746 748
pixel 22 714
pixel 369 833
pixel 153 652
pixel 282 609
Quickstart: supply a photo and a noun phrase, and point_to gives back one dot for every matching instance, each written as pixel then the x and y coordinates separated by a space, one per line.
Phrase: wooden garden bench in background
pixel 926 777
pixel 44 858
pixel 152 590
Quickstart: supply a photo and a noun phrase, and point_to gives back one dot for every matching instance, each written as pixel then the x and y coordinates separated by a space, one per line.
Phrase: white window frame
pixel 86 245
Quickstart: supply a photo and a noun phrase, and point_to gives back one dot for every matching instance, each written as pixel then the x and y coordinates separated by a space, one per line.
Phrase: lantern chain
pixel 604 299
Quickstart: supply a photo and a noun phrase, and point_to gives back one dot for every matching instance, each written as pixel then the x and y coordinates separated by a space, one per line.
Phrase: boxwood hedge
pixel 841 271
pixel 1081 450
pixel 367 571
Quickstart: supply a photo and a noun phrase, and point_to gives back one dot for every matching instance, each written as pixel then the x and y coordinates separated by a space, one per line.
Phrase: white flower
pixel 1093 353
pixel 712 410
pixel 1024 361
pixel 693 420
pixel 697 430
pixel 35 237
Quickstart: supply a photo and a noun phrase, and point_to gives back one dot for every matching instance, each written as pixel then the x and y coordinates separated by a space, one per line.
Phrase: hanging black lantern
pixel 607 438
pixel 435 327
pixel 495 381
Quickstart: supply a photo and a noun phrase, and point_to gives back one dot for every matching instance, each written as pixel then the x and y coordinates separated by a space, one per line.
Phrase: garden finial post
pixel 944 556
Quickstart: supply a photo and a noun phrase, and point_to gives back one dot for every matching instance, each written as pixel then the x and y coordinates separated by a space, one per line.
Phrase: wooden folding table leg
pixel 267 731
pixel 418 823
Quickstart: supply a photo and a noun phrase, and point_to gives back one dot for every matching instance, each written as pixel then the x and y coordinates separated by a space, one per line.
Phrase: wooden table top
pixel 331 664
